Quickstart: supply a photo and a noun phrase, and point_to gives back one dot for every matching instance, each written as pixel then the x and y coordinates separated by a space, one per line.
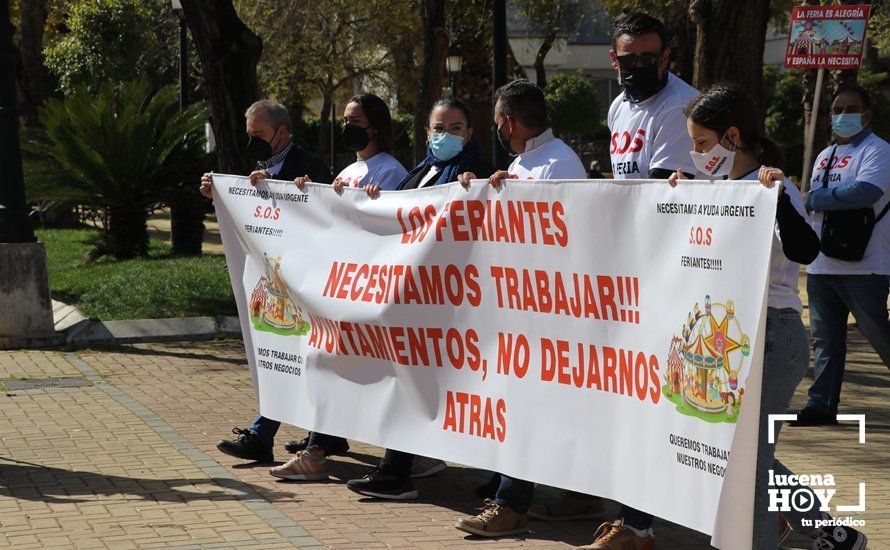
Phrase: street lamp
pixel 453 63
pixel 183 53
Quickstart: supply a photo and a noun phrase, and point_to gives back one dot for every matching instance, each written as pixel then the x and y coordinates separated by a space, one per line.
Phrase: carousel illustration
pixel 273 307
pixel 704 364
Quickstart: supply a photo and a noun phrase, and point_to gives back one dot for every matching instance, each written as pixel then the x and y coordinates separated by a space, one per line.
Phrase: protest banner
pixel 599 336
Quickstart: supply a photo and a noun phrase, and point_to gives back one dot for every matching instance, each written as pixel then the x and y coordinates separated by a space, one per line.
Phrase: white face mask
pixel 716 163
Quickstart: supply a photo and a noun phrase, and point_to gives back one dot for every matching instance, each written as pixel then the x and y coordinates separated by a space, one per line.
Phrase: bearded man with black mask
pixel 646 120
pixel 269 145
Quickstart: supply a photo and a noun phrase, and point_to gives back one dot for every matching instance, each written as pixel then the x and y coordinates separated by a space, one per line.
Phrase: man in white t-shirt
pixel 646 120
pixel 520 114
pixel 853 173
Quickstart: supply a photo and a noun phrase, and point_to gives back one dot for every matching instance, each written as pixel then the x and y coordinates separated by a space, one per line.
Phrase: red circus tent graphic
pixel 803 44
pixel 674 375
pixel 845 43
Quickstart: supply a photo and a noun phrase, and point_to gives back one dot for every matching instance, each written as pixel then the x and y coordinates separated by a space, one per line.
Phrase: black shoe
pixel 839 538
pixel 381 482
pixel 812 417
pixel 339 447
pixel 489 488
pixel 297 445
pixel 248 447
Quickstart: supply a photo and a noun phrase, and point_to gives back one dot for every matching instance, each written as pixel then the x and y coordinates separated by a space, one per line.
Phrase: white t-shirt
pixel 783 272
pixel 652 133
pixel 382 169
pixel 547 158
pixel 869 162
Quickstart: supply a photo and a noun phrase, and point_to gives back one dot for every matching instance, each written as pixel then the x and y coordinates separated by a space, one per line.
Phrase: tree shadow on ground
pixel 197 356
pixel 36 482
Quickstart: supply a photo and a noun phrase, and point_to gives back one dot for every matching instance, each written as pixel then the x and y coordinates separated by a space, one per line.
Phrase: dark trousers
pixel 265 429
pixel 832 298
pixel 635 518
pixel 323 442
pixel 399 462
pixel 515 493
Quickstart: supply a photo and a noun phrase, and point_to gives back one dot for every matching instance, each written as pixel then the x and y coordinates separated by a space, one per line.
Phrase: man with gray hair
pixel 269 145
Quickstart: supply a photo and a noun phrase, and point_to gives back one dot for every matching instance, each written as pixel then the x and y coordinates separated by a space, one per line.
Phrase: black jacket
pixel 300 162
pixel 478 166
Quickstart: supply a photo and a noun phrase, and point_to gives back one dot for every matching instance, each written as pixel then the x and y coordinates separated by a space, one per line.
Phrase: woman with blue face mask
pixel 451 149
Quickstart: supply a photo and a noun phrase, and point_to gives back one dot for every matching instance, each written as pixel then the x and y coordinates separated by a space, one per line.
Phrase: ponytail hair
pixel 727 105
pixel 769 153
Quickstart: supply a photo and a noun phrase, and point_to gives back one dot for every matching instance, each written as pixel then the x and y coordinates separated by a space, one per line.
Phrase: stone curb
pixel 90 332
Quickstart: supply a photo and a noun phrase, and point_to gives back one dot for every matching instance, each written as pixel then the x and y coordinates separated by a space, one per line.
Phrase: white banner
pixel 591 335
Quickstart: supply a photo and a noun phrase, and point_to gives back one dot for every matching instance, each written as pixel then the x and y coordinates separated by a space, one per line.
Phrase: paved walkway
pixel 129 461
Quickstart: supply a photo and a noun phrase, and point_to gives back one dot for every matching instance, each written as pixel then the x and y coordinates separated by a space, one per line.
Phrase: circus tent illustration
pixel 846 44
pixel 272 306
pixel 702 376
pixel 803 44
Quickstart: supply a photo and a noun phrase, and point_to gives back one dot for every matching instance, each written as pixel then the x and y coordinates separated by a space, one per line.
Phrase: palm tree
pixel 122 150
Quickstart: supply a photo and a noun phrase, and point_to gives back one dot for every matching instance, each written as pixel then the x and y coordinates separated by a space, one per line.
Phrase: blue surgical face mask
pixel 445 146
pixel 847 124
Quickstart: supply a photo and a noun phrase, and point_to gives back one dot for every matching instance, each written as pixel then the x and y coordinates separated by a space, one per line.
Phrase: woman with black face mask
pixel 367 131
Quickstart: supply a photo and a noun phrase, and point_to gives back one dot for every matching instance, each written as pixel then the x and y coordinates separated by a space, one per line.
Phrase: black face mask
pixel 355 138
pixel 505 143
pixel 641 83
pixel 258 149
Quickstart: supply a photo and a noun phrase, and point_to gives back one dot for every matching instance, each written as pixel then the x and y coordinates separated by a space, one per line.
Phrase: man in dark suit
pixel 269 144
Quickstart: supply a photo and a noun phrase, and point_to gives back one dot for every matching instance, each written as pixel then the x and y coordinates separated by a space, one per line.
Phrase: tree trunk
pixel 682 31
pixel 127 231
pixel 324 126
pixel 435 49
pixel 731 38
pixel 474 83
pixel 187 211
pixel 547 44
pixel 229 52
pixel 35 79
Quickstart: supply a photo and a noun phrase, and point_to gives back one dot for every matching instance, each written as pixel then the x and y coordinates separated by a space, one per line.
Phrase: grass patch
pixel 158 286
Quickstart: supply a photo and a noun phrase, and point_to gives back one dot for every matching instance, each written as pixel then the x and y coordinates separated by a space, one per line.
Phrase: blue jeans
pixel 265 429
pixel 832 298
pixel 785 361
pixel 515 493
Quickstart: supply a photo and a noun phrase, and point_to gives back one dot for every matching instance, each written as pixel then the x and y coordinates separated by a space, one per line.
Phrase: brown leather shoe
pixel 615 536
pixel 494 521
pixel 568 508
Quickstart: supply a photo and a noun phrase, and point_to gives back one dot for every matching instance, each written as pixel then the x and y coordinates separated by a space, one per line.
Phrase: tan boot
pixel 568 508
pixel 494 521
pixel 615 536
pixel 302 467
